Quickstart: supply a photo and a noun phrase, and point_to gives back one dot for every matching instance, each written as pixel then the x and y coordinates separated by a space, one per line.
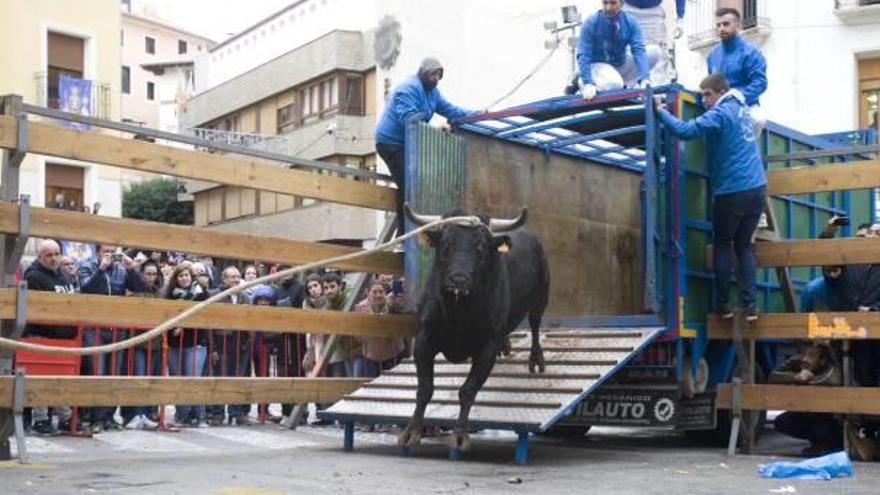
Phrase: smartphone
pixel 397 287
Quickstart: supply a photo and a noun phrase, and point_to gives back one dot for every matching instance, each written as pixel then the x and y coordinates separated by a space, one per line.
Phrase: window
pixel 150 45
pixel 181 47
pixel 286 118
pixel 126 80
pixel 121 37
pixel 353 95
pixel 151 91
pixel 341 92
pixel 65 57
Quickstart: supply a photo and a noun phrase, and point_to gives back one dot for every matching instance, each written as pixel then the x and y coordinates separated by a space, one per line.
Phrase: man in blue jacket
pixel 111 275
pixel 415 98
pixel 742 64
pixel 611 51
pixel 738 184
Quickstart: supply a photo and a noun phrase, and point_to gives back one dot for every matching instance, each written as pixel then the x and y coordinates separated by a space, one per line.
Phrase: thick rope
pixel 175 321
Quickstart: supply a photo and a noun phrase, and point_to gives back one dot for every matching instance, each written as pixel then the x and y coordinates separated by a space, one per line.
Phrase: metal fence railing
pixel 100 99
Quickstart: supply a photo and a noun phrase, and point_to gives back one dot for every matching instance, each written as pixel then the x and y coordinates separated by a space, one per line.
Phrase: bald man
pixel 45 275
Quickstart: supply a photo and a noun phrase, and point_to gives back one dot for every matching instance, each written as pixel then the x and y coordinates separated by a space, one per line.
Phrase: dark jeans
pixel 734 220
pixel 392 155
pixel 146 363
pixel 866 361
pixel 232 364
pixel 820 429
pixel 115 364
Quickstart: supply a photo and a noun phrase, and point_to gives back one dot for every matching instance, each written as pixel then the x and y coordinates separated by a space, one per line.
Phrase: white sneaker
pixel 136 423
pixel 203 424
pixel 147 423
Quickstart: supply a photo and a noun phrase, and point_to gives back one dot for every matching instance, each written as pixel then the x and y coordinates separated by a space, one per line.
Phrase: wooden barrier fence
pixel 860 174
pixel 18 222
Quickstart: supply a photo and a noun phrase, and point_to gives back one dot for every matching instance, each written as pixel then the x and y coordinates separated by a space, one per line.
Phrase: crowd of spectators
pixel 190 352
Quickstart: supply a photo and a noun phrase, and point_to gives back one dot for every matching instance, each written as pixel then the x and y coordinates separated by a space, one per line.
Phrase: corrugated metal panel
pixel 436 175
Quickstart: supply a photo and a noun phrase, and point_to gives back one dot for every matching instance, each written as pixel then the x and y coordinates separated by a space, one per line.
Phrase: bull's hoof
pixel 506 348
pixel 410 437
pixel 459 439
pixel 536 360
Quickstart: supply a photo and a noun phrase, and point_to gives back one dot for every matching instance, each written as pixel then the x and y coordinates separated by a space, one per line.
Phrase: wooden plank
pixel 797 326
pixel 813 252
pixel 61 224
pixel 822 178
pixel 144 391
pixel 842 400
pixel 138 312
pixel 96 147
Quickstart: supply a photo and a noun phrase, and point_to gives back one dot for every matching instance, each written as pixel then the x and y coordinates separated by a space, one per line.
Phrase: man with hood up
pixel 739 185
pixel 415 98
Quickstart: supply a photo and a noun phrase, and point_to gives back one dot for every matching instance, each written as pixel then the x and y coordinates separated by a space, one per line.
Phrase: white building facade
pixel 822 58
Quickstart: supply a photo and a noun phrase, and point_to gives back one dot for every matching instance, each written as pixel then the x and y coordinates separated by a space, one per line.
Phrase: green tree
pixel 156 200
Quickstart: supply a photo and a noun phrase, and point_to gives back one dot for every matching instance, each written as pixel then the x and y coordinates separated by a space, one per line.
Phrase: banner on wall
pixel 75 96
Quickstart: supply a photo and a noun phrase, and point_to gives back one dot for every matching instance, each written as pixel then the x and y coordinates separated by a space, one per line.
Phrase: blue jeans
pixel 367 368
pixel 140 369
pixel 342 369
pixel 734 220
pixel 103 365
pixel 232 364
pixel 193 365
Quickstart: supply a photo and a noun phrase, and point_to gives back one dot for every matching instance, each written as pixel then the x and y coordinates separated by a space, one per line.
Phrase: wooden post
pixel 9 175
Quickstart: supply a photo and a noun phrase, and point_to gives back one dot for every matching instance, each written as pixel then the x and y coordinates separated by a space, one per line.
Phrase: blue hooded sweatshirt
pixel 743 65
pixel 647 4
pixel 597 45
pixel 409 100
pixel 731 147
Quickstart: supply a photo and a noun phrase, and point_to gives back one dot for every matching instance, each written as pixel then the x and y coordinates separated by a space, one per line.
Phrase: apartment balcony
pixel 331 136
pixel 756 26
pixel 100 97
pixel 262 142
pixel 857 11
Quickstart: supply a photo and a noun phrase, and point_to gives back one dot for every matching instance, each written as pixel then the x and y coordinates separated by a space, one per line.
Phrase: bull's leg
pixel 481 367
pixel 424 357
pixel 536 356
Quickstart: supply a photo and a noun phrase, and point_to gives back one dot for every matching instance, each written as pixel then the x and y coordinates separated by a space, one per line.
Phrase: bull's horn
pixel 499 225
pixel 417 219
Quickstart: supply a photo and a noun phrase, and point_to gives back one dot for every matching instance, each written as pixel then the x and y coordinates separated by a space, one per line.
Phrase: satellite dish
pixel 387 42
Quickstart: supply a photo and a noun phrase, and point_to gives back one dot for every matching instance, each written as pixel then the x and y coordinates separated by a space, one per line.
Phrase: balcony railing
pixel 857 11
pixel 701 20
pixel 100 99
pixel 844 4
pixel 263 142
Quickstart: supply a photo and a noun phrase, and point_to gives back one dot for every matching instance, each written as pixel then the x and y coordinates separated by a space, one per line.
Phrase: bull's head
pixel 464 253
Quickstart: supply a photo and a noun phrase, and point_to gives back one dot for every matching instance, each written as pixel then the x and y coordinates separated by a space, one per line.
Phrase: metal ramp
pixel 578 361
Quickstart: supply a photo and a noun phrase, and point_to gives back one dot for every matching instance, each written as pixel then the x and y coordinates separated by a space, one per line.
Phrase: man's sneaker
pixel 203 424
pixel 724 311
pixel 242 420
pixel 136 423
pixel 148 424
pixel 96 428
pixel 44 429
pixel 751 313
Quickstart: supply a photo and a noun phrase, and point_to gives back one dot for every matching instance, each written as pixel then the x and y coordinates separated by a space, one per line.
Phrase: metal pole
pixel 9 191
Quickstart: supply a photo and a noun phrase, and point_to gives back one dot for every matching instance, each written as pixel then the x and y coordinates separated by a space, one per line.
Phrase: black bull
pixel 480 288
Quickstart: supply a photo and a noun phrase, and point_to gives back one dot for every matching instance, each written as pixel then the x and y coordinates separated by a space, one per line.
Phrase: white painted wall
pixel 282 33
pixel 811 56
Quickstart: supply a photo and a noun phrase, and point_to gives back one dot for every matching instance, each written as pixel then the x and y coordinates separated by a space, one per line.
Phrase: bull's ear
pixel 429 238
pixel 501 243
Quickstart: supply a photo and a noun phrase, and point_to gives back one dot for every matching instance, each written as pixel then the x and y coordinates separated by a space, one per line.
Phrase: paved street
pixel 269 460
